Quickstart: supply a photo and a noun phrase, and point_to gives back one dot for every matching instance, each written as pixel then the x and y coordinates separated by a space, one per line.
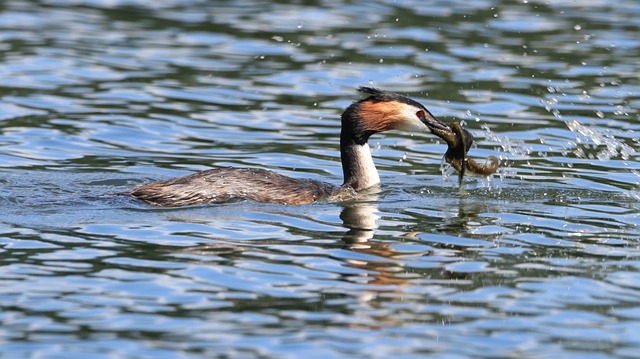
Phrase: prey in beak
pixel 459 140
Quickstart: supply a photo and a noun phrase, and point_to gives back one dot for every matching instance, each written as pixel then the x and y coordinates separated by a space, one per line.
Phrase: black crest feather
pixel 382 95
pixel 370 90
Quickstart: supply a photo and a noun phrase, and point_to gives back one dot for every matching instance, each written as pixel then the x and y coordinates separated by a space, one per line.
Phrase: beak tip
pixel 437 125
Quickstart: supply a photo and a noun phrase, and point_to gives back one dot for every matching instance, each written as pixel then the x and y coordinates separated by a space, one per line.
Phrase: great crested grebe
pixel 380 111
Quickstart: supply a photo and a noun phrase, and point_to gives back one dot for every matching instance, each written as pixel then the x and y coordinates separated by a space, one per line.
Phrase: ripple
pixel 539 261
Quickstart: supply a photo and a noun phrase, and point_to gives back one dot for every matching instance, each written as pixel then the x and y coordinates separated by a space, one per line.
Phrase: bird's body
pixel 230 184
pixel 380 111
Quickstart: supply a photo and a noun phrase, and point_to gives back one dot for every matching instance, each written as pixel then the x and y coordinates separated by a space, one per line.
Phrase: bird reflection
pixel 361 221
pixel 382 264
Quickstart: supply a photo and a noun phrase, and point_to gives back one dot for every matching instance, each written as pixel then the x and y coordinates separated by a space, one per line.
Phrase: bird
pixel 379 111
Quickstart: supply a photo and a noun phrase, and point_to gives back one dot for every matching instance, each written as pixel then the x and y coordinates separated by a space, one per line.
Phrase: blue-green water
pixel 541 261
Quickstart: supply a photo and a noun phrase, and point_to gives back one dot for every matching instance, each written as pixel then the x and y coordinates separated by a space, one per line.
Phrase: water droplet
pixel 577 27
pixel 603 156
pixel 381 60
pixel 599 114
pixel 619 111
pixel 585 96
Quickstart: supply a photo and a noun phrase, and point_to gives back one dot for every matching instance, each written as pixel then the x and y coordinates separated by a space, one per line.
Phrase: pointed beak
pixel 433 123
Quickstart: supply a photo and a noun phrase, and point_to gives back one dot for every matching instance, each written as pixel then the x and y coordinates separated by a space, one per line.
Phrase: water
pixel 541 260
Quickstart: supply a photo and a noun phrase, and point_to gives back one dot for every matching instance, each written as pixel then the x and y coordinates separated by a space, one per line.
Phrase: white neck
pixel 357 164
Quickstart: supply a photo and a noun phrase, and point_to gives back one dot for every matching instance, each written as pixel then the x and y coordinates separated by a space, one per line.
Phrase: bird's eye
pixel 420 114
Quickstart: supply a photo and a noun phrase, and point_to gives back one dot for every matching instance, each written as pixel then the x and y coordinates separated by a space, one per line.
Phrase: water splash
pixel 446 170
pixel 588 137
pixel 509 149
pixel 508 146
pixel 607 144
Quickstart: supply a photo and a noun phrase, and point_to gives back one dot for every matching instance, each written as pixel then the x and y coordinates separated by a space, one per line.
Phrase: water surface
pixel 541 260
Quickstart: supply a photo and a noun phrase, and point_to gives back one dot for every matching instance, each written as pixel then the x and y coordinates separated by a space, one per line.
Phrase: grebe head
pixel 383 111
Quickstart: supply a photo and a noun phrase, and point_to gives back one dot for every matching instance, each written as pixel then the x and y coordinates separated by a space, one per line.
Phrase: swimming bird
pixel 380 111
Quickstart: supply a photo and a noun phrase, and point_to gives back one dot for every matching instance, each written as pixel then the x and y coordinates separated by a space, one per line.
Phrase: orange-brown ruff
pixel 380 111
